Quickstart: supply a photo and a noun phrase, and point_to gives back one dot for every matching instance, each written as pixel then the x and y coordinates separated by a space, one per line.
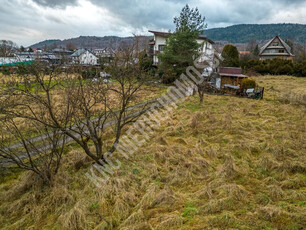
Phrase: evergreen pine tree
pixel 182 47
pixel 230 56
pixel 256 51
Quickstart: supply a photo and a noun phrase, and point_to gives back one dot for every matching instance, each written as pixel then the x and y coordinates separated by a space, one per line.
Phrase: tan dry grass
pixel 230 163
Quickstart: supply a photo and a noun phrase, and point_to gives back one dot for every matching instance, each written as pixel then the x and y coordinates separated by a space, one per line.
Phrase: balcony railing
pixel 155 52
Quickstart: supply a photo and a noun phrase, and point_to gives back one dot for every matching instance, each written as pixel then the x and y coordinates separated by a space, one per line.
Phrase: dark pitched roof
pixel 288 49
pixel 61 50
pixel 78 53
pixel 231 72
pixel 165 34
pixel 266 45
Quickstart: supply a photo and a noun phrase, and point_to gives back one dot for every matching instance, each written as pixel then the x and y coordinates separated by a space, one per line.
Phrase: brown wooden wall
pixel 231 81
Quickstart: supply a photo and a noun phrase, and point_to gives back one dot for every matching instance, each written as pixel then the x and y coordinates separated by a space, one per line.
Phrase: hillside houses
pixel 47 57
pixel 56 56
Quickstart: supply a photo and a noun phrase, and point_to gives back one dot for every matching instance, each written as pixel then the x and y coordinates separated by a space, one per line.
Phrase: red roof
pixel 231 71
pixel 244 52
pixel 232 75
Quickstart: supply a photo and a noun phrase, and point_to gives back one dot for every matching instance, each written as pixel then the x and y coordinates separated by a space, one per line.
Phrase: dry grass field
pixel 59 97
pixel 231 163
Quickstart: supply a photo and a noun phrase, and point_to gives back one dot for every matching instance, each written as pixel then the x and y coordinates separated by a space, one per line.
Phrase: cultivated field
pixel 231 163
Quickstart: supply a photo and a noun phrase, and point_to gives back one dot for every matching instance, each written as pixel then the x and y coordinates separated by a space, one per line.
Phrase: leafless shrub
pixel 42 158
pixel 205 87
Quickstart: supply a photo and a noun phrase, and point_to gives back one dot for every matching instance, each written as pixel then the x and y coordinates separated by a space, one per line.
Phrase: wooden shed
pixel 230 76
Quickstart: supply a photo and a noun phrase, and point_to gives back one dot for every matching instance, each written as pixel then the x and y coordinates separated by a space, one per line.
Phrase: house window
pixel 161 47
pixel 281 51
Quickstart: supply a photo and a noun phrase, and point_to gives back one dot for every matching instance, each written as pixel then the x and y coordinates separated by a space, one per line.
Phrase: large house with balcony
pixel 159 42
pixel 84 57
pixel 276 48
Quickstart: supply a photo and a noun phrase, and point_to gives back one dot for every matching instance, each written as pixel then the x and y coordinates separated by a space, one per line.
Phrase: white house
pixel 159 43
pixel 105 52
pixel 84 57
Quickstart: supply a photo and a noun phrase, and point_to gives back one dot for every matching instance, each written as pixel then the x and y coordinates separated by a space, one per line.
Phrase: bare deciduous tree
pixel 21 116
pixel 42 157
pixel 81 110
pixel 6 48
pixel 106 103
pixel 206 87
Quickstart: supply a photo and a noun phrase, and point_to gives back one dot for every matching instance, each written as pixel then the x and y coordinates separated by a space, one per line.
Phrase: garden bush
pixel 248 83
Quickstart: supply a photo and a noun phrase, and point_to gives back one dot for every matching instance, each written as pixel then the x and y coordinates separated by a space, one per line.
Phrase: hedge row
pixel 277 67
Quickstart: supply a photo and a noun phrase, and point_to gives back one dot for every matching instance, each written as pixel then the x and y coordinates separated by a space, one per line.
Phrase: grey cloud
pixel 26 22
pixel 55 19
pixel 138 13
pixel 55 3
pixel 159 13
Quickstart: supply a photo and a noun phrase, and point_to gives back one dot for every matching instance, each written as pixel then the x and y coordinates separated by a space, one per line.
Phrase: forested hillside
pixel 233 34
pixel 90 42
pixel 244 33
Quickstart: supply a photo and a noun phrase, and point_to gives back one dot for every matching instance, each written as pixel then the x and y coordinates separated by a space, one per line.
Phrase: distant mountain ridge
pixel 91 42
pixel 243 33
pixel 260 32
pixel 46 42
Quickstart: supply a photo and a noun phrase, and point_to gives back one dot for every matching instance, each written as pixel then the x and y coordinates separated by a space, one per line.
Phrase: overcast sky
pixel 29 21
